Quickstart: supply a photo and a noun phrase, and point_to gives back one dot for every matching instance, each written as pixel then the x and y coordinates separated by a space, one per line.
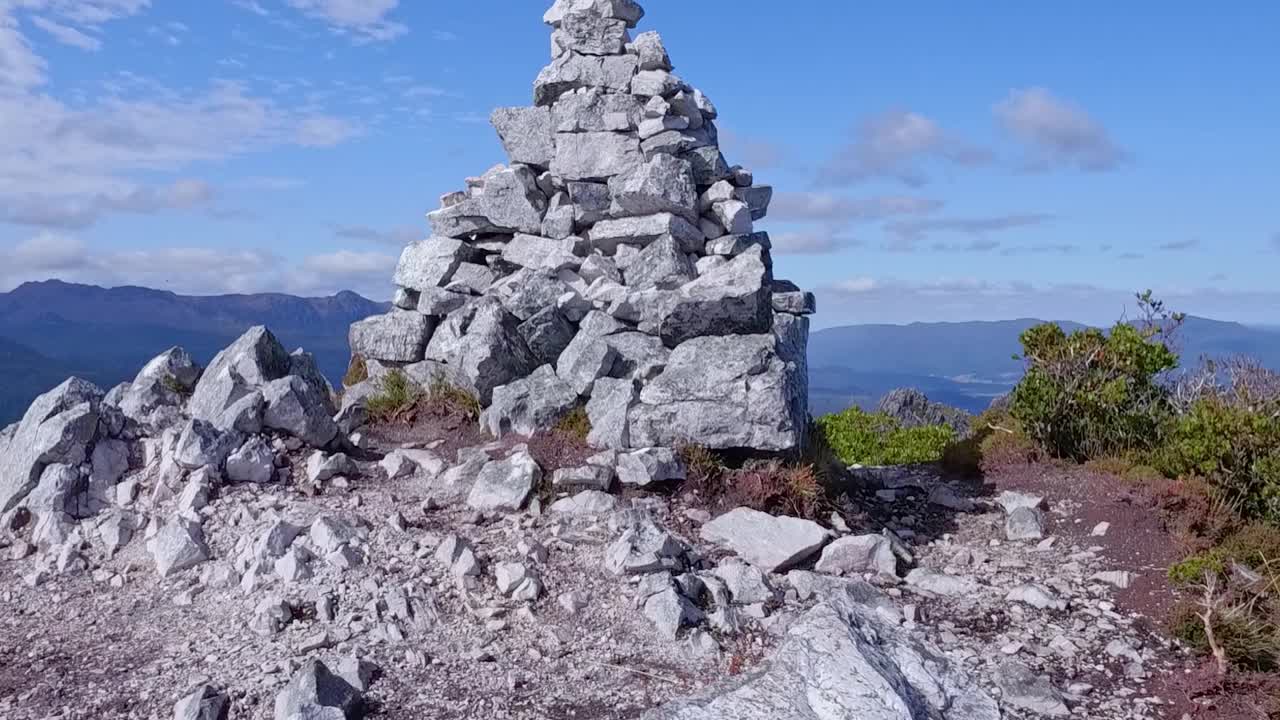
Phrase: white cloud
pixel 1058 133
pixel 841 209
pixel 86 12
pixel 20 67
pixel 896 145
pixel 366 20
pixel 77 212
pixel 67 35
pixel 195 270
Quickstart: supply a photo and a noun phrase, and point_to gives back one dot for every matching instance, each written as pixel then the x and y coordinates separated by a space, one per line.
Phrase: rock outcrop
pixel 614 263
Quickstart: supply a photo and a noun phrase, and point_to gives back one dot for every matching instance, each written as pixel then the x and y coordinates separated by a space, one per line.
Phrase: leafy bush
pixel 396 396
pixel 859 437
pixel 1090 393
pixel 1236 448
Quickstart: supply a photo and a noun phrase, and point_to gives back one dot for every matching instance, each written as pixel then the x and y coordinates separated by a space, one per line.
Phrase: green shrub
pixel 1236 448
pixel 1250 640
pixel 1090 394
pixel 859 437
pixel 396 395
pixel 1194 569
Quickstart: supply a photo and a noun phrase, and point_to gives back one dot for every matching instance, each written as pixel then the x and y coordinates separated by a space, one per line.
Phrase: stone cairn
pixel 613 262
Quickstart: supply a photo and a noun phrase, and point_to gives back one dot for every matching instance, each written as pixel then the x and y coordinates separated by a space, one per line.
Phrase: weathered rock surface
pixel 773 544
pixel 841 661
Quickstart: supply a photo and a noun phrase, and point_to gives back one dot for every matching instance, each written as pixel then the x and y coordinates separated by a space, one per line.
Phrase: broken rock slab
pixel 505 485
pixel 828 668
pixel 773 544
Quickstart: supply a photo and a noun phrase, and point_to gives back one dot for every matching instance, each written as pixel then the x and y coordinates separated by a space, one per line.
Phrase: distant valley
pixel 51 330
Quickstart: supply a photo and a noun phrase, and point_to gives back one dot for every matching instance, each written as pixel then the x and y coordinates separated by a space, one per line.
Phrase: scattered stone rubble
pixel 221 536
pixel 614 264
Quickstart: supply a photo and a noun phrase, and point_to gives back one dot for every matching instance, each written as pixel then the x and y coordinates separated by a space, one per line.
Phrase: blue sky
pixel 932 160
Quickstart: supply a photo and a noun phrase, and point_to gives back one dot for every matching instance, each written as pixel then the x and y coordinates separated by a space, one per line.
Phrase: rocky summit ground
pixel 1021 598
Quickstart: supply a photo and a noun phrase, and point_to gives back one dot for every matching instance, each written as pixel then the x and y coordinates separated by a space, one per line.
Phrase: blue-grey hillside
pixel 51 330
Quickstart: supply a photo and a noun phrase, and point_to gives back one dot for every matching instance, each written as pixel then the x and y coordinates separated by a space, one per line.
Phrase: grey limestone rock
pixel 204 703
pixel 572 71
pixel 772 544
pixel 525 134
pixel 505 484
pixel 828 667
pixel 316 692
pixel 509 201
pixel 58 427
pixel 595 155
pixel 663 184
pixel 179 545
pixel 399 336
pixel 530 404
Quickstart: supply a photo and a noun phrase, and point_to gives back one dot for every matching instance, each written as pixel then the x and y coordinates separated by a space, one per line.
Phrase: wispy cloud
pixel 909 234
pixel 812 242
pixel 66 34
pixel 899 145
pixel 836 209
pixel 394 237
pixel 1181 245
pixel 363 20
pixel 1058 133
pixel 64 166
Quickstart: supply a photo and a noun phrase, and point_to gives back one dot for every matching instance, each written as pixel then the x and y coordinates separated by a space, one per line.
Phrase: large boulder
pixel 912 408
pixel 842 661
pixel 724 393
pixel 59 427
pixel 399 336
pixel 299 409
pixel 253 360
pixel 525 134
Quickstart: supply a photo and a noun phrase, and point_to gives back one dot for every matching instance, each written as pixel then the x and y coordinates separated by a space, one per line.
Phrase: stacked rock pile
pixel 613 263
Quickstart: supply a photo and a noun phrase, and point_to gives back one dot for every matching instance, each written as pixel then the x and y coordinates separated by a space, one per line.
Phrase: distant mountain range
pixel 969 364
pixel 51 330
